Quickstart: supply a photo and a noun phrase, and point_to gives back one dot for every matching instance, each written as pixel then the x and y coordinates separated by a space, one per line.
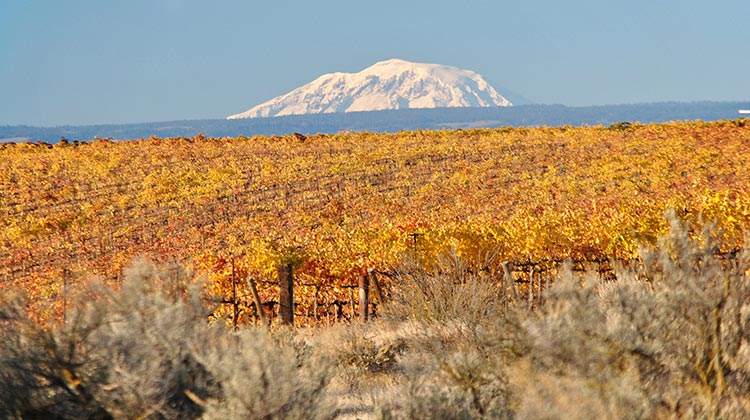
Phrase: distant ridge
pixel 390 84
pixel 392 121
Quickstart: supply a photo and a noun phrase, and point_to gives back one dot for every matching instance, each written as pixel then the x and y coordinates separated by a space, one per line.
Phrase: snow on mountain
pixel 391 84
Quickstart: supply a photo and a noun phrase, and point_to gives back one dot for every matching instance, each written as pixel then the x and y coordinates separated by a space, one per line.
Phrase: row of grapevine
pixel 335 205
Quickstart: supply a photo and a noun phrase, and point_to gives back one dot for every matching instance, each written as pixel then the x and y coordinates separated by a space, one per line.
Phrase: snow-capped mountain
pixel 391 84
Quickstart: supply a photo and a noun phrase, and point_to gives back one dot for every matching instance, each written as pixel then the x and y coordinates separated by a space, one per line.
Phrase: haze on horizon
pixel 91 62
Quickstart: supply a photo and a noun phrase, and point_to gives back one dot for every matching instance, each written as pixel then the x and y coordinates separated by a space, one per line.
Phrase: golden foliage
pixel 336 205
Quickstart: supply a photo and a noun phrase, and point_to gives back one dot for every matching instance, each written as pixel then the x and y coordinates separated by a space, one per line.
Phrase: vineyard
pixel 335 206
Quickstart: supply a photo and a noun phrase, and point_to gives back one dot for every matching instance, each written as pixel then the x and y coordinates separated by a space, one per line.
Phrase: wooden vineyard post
pixel 531 288
pixel 539 295
pixel 351 302
pixel 376 286
pixel 65 295
pixel 315 306
pixel 256 300
pixel 235 303
pixel 286 294
pixel 508 282
pixel 364 291
pixel 505 287
pixel 328 307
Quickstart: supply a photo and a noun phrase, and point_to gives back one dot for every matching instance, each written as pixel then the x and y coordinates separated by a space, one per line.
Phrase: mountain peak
pixel 395 64
pixel 393 61
pixel 389 84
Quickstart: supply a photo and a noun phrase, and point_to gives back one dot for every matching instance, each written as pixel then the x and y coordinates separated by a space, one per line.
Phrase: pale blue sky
pixel 95 61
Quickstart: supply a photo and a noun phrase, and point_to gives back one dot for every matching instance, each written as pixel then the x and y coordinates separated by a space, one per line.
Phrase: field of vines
pixel 337 205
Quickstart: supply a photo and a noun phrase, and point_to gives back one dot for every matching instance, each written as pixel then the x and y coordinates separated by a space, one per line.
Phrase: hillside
pixel 389 121
pixel 339 204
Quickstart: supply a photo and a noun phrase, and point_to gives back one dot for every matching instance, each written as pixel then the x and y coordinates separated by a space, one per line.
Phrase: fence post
pixel 256 300
pixel 364 291
pixel 539 295
pixel 505 287
pixel 531 288
pixel 315 307
pixel 65 295
pixel 328 308
pixel 546 284
pixel 508 278
pixel 376 286
pixel 235 304
pixel 286 294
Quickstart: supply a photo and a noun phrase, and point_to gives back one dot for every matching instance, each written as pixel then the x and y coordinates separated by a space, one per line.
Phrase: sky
pixel 80 62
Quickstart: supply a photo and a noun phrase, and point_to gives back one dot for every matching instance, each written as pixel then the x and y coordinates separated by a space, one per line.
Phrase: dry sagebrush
pixel 148 352
pixel 665 339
